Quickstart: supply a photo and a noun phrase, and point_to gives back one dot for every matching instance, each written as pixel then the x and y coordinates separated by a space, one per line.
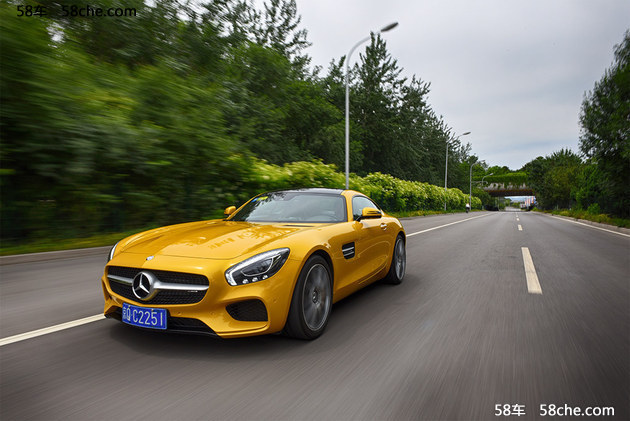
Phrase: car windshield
pixel 293 207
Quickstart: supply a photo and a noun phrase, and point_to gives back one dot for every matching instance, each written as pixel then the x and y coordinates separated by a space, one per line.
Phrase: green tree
pixel 257 85
pixel 112 124
pixel 331 142
pixel 375 108
pixel 605 136
pixel 277 27
pixel 313 123
pixel 554 178
pixel 419 141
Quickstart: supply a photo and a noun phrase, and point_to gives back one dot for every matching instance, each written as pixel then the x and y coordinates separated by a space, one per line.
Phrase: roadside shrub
pixel 594 209
pixel 391 193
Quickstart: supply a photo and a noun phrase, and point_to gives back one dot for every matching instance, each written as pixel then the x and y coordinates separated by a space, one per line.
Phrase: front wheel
pixel 399 263
pixel 312 300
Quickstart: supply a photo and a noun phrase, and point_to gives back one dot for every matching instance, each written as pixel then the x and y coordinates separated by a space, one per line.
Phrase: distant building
pixel 530 202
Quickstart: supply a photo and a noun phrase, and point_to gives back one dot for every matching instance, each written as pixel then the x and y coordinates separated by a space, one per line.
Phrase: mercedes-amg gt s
pixel 276 264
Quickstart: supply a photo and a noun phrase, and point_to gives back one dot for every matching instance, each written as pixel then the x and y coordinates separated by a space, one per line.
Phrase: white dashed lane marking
pixel 533 286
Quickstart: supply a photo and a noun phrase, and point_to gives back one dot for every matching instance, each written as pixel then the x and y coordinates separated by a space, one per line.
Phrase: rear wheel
pixel 399 263
pixel 312 300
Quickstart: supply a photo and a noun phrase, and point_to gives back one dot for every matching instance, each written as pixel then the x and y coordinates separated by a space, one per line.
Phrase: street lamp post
pixel 485 177
pixel 470 187
pixel 446 166
pixel 482 180
pixel 384 29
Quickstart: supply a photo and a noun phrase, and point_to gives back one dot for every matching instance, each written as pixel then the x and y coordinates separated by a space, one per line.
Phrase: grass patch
pixel 44 245
pixel 409 214
pixel 588 216
pixel 96 240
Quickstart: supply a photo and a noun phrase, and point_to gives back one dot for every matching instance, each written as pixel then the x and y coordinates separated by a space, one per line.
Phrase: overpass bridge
pixel 508 189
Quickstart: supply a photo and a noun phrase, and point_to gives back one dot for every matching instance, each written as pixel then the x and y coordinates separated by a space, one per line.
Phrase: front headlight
pixel 111 252
pixel 257 268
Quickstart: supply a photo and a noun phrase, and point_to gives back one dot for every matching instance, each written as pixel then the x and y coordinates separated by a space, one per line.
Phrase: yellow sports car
pixel 277 264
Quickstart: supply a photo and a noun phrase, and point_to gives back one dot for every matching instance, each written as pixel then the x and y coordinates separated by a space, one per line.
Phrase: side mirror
pixel 370 213
pixel 229 211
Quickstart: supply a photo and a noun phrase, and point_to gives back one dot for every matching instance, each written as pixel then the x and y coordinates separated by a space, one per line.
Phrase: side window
pixel 360 202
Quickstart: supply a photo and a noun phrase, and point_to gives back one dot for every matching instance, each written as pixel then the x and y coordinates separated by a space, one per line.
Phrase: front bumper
pixel 225 311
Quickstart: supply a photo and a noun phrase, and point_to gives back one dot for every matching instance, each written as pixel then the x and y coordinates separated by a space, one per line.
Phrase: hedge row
pixel 239 179
pixel 389 192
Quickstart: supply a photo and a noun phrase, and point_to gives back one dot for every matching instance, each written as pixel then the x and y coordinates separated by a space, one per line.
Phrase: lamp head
pixel 390 26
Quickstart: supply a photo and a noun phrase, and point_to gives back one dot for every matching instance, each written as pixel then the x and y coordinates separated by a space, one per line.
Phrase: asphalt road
pixel 460 336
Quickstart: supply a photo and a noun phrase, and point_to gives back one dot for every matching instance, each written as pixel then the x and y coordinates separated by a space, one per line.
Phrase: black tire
pixel 312 300
pixel 399 263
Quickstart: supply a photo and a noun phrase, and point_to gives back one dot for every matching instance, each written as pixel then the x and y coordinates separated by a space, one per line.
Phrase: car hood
pixel 211 239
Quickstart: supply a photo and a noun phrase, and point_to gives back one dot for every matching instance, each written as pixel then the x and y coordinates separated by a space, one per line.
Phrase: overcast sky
pixel 512 72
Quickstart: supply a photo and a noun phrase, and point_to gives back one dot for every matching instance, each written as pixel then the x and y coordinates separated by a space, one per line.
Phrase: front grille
pixel 165 297
pixel 248 311
pixel 162 275
pixel 162 297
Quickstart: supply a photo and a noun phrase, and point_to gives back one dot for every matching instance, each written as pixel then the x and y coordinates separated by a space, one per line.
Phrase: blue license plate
pixel 152 318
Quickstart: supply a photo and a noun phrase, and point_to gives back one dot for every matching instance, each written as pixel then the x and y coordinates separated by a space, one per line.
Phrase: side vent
pixel 348 250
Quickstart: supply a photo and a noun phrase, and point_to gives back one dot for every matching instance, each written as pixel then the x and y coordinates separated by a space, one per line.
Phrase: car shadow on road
pixel 350 317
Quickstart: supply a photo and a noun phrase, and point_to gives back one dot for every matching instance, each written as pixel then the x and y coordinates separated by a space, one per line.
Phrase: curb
pixel 54 255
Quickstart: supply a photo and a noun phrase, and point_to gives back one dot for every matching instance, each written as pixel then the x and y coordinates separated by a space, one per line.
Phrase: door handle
pixel 384 226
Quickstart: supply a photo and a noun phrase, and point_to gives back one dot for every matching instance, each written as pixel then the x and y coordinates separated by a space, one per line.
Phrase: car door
pixel 372 246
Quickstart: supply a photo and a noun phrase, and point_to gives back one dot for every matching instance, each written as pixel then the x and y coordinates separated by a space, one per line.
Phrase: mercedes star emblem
pixel 143 285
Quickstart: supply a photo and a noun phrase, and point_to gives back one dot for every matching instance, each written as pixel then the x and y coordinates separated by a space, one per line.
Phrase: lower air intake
pixel 248 311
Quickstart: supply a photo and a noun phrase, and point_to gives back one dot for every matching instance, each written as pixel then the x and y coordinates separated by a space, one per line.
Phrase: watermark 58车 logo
pixel 551 410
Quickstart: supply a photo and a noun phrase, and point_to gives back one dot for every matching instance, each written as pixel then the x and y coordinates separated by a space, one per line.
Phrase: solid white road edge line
pixel 51 329
pixel 442 226
pixel 592 226
pixel 533 286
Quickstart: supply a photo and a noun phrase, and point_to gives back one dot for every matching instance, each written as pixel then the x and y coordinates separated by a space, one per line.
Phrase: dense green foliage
pixel 605 138
pixel 554 178
pixel 397 196
pixel 512 178
pixel 597 181
pixel 107 124
pixel 391 193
